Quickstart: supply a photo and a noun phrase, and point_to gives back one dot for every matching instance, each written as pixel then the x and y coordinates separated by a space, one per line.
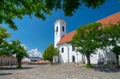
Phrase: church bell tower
pixel 59 30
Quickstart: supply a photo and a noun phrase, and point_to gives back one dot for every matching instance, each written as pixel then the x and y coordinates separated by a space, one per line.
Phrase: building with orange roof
pixel 68 52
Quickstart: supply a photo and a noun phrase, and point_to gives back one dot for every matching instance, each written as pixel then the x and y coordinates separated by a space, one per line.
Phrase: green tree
pixel 86 40
pixel 116 50
pixel 110 37
pixel 4 44
pixel 3 34
pixel 4 49
pixel 19 51
pixel 11 9
pixel 56 52
pixel 50 52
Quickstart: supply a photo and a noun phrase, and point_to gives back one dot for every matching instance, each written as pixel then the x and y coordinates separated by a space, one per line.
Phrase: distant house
pixel 26 60
pixel 40 62
pixel 7 60
pixel 68 52
pixel 34 59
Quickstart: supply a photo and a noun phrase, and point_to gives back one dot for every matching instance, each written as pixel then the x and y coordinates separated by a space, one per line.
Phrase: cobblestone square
pixel 60 71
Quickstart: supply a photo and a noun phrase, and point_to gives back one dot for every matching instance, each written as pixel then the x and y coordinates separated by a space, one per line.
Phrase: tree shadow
pixel 3 74
pixel 106 68
pixel 13 68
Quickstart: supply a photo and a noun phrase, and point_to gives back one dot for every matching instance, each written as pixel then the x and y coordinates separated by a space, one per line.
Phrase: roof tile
pixel 67 37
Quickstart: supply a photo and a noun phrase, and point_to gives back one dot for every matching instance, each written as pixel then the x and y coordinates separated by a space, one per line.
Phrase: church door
pixel 73 58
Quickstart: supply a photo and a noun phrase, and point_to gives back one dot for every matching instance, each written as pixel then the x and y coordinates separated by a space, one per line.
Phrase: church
pixel 68 53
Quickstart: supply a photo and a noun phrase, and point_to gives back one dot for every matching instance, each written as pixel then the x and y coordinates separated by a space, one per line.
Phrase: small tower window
pixel 56 29
pixel 62 50
pixel 63 28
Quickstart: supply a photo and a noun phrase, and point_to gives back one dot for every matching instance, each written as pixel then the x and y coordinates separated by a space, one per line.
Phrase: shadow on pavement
pixel 2 74
pixel 106 68
pixel 13 68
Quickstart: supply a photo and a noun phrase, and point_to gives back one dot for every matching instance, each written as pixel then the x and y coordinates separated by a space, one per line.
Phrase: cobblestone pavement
pixel 61 71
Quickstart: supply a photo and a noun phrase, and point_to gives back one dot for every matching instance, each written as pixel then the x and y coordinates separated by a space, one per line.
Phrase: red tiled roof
pixel 67 37
pixel 112 19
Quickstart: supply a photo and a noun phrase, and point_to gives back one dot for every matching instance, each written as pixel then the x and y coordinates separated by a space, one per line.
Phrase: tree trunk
pixel 0 41
pixel 88 59
pixel 117 58
pixel 19 62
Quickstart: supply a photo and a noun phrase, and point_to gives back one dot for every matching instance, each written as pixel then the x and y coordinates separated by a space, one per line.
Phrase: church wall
pixel 68 54
pixel 99 56
pixel 103 56
pixel 106 55
pixel 78 56
pixel 63 56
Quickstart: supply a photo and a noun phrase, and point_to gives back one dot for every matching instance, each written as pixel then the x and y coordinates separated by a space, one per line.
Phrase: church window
pixel 73 48
pixel 56 29
pixel 63 28
pixel 62 50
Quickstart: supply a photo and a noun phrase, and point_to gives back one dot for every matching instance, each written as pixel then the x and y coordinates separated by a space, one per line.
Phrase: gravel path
pixel 61 71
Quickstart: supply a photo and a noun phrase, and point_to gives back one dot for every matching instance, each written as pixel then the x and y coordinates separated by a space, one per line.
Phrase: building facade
pixel 68 52
pixel 8 61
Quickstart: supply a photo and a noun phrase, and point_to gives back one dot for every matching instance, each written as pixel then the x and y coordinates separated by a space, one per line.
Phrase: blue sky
pixel 37 34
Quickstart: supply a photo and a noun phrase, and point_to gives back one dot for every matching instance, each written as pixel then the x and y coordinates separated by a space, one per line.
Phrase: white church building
pixel 68 52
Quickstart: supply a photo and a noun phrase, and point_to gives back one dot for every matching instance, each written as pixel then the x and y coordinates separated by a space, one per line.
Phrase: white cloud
pixel 24 46
pixel 34 53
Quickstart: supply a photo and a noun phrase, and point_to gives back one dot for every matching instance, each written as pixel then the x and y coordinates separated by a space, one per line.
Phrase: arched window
pixel 62 50
pixel 63 28
pixel 56 29
pixel 73 58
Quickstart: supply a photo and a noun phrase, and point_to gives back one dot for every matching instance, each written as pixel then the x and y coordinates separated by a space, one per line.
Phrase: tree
pixel 50 52
pixel 116 50
pixel 111 37
pixel 4 49
pixel 19 51
pixel 3 34
pixel 4 44
pixel 86 39
pixel 11 9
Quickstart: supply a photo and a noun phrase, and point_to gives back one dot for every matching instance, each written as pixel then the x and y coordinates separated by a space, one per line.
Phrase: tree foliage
pixel 11 9
pixel 50 52
pixel 111 37
pixel 116 50
pixel 93 36
pixel 4 49
pixel 19 51
pixel 110 34
pixel 3 34
pixel 86 39
pixel 14 47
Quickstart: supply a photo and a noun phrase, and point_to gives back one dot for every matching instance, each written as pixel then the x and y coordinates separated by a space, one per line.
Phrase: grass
pixel 88 66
